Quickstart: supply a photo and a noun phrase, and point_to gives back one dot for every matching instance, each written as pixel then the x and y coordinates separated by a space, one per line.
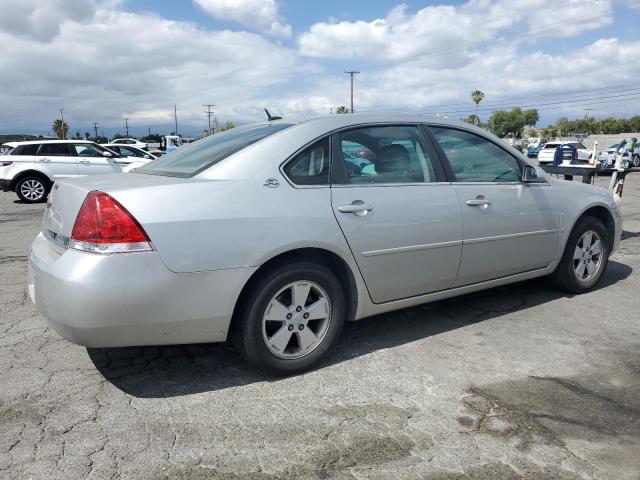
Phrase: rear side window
pixel 196 157
pixel 25 149
pixel 310 167
pixel 54 149
pixel 475 159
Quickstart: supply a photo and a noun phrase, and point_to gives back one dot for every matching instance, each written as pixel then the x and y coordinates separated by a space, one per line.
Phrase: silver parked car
pixel 275 234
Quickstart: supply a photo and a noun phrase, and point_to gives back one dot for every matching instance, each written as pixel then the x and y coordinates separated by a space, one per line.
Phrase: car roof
pixel 31 142
pixel 119 145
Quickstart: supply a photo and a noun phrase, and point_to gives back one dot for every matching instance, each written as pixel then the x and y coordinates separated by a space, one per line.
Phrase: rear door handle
pixel 84 161
pixel 358 207
pixel 46 160
pixel 479 201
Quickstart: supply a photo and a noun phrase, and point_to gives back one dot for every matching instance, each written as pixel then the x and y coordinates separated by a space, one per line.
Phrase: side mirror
pixel 107 154
pixel 148 157
pixel 530 175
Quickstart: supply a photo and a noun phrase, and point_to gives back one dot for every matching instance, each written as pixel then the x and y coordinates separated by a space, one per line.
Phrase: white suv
pixel 30 168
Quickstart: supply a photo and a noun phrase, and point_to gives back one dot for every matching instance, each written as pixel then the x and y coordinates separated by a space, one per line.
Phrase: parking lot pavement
pixel 515 382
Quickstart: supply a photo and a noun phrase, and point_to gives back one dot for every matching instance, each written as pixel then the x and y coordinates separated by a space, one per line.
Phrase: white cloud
pixel 451 32
pixel 258 14
pixel 107 66
pixel 42 20
pixel 108 62
pixel 635 4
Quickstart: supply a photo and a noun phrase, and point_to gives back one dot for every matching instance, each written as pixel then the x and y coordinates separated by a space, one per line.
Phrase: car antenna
pixel 271 117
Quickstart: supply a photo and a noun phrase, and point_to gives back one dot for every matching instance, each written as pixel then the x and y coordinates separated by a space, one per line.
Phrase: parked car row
pixel 582 153
pixel 30 168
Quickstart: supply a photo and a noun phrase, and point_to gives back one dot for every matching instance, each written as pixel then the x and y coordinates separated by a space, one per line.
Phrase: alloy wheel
pixel 296 319
pixel 32 189
pixel 587 256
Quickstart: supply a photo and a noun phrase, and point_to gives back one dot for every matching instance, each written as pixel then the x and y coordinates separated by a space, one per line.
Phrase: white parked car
pixel 130 141
pixel 546 154
pixel 130 151
pixel 30 168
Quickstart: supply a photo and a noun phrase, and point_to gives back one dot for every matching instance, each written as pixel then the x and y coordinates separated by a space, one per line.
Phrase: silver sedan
pixel 273 235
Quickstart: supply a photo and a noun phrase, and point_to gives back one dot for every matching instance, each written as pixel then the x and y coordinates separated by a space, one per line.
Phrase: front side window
pixel 87 150
pixel 388 154
pixel 475 159
pixel 54 149
pixel 311 166
pixel 196 157
pixel 130 152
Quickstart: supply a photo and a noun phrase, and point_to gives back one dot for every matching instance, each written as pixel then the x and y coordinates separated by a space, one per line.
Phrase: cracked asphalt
pixel 515 382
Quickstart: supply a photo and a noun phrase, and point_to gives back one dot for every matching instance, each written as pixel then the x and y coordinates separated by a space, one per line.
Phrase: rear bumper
pixel 130 299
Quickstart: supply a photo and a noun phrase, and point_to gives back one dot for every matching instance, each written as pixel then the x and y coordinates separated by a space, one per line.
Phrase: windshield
pixel 196 157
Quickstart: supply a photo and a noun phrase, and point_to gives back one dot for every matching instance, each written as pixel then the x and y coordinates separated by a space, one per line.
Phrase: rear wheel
pixel 32 189
pixel 291 319
pixel 635 161
pixel 585 257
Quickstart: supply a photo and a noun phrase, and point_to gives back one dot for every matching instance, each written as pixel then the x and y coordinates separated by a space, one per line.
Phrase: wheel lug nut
pixel 305 316
pixel 290 327
pixel 298 308
pixel 288 316
pixel 300 327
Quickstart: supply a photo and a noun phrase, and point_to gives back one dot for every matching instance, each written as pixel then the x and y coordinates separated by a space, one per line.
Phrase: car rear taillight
pixel 103 225
pixel 5 164
pixel 619 188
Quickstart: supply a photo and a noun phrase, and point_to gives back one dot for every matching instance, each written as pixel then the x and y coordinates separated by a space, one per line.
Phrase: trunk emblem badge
pixel 271 183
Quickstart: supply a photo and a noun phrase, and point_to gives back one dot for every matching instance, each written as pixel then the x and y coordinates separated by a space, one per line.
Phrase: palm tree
pixel 59 128
pixel 477 96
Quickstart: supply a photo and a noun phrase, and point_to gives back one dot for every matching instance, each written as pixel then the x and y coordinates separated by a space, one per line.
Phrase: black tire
pixel 40 185
pixel 565 276
pixel 248 333
pixel 635 161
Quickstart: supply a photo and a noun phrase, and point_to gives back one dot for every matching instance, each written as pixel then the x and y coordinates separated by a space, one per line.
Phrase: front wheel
pixel 32 189
pixel 291 319
pixel 585 257
pixel 635 161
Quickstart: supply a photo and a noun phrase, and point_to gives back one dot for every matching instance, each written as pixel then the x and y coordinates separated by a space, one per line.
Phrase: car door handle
pixel 358 207
pixel 46 160
pixel 84 161
pixel 480 201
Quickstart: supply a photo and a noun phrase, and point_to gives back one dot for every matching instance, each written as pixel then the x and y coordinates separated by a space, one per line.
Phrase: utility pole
pixel 126 125
pixel 64 136
pixel 175 117
pixel 95 129
pixel 209 112
pixel 351 74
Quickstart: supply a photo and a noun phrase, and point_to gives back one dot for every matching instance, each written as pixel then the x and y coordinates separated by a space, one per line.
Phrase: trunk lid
pixel 66 198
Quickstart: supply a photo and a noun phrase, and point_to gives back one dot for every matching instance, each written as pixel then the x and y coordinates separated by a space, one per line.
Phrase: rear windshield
pixel 192 159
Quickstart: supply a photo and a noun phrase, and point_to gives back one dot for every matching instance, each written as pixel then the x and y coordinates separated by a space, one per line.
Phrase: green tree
pixel 59 128
pixel 477 96
pixel 117 136
pixel 341 110
pixel 227 126
pixel 503 122
pixel 473 119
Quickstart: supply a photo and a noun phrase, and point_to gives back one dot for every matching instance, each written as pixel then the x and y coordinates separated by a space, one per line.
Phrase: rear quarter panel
pixel 213 225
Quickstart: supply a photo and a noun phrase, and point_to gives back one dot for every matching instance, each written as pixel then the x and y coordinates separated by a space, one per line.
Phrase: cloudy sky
pixel 103 60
